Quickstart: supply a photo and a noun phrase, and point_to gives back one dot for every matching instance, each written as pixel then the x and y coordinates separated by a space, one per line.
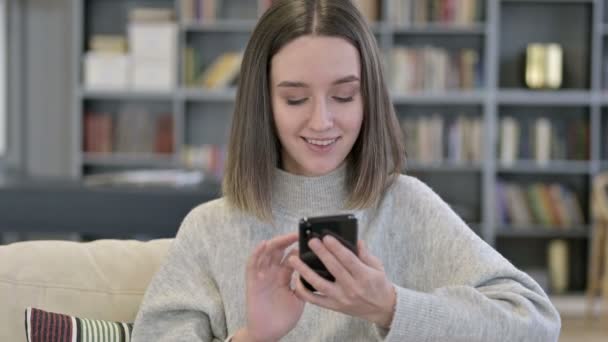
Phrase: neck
pixel 300 196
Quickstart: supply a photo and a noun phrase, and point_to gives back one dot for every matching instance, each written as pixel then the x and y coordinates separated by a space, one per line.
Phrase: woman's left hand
pixel 361 288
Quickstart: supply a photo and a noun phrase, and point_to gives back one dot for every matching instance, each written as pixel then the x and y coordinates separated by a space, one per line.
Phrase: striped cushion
pixel 44 326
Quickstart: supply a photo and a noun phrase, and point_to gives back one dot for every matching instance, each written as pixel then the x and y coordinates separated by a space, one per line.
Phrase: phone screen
pixel 341 227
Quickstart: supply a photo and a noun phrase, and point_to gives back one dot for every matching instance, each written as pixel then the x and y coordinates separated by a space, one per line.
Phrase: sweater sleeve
pixel 466 291
pixel 182 302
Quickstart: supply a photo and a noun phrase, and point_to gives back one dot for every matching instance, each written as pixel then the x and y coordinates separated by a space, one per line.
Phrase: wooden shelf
pixel 473 97
pixel 553 167
pixel 542 232
pixel 545 97
pixel 200 94
pixel 129 159
pixel 440 29
pixel 238 26
pixel 126 95
pixel 415 166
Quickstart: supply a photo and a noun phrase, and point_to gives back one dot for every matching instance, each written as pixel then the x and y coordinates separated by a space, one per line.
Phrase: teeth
pixel 321 142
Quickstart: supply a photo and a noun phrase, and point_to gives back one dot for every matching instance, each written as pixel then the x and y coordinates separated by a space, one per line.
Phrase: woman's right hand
pixel 272 307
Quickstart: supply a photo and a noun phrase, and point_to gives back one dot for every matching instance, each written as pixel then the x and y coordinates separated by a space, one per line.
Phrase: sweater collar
pixel 299 196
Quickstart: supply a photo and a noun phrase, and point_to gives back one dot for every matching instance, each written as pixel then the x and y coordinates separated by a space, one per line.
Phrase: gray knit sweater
pixel 451 285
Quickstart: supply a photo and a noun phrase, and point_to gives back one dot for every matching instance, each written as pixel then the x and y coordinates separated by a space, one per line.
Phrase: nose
pixel 321 119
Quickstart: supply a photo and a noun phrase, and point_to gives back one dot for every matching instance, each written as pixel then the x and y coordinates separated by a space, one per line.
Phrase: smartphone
pixel 342 227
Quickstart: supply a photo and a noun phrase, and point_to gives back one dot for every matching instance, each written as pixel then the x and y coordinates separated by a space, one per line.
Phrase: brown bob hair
pixel 377 157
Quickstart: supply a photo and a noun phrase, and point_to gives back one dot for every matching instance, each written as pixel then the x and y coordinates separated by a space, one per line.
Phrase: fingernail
pixel 329 239
pixel 313 243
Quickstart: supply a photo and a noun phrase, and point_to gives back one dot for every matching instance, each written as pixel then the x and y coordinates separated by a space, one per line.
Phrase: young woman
pixel 314 133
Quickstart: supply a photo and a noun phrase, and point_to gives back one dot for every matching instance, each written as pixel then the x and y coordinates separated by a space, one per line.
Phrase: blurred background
pixel 114 116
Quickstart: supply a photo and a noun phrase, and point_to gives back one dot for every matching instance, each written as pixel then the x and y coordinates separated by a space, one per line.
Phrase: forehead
pixel 315 57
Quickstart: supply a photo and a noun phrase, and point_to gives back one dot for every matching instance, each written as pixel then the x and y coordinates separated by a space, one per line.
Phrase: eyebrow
pixel 292 84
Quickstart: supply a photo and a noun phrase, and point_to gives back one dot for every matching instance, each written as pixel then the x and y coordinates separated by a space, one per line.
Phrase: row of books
pixel 429 68
pixel 549 205
pixel 208 11
pixel 403 12
pixel 449 12
pixel 208 158
pixel 198 10
pixel 143 60
pixel 205 11
pixel 437 138
pixel 542 139
pixel 133 131
pixel 221 73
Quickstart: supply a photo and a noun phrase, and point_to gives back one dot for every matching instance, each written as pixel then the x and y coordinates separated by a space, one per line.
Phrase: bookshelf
pixel 489 86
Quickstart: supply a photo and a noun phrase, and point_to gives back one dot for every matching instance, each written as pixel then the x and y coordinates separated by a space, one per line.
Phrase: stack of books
pixel 153 42
pixel 144 60
pixel 106 63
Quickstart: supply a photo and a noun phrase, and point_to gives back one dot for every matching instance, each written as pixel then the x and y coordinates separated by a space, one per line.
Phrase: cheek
pixel 285 121
pixel 352 119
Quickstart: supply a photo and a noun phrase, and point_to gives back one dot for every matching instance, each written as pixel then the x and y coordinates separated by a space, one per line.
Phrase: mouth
pixel 321 142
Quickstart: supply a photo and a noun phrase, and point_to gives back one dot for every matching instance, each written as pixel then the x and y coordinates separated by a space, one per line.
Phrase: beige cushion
pixel 105 279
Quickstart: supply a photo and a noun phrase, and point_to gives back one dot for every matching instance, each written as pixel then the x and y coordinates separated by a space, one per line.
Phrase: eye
pixel 343 99
pixel 296 102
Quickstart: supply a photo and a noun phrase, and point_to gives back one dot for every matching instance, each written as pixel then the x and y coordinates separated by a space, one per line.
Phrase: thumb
pixel 369 259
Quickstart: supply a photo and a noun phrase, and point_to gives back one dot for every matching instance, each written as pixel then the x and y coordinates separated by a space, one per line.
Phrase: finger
pixel 332 264
pixel 368 258
pixel 319 300
pixel 345 256
pixel 284 241
pixel 254 259
pixel 277 246
pixel 286 270
pixel 276 257
pixel 262 256
pixel 322 285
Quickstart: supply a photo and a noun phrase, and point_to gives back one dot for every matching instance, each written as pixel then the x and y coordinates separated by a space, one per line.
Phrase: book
pixel 542 141
pixel 433 69
pixel 549 205
pixel 108 43
pixel 535 65
pixel 444 12
pixel 106 71
pixel 164 140
pixel 151 14
pixel 509 140
pixel 369 8
pixel 153 41
pixel 558 265
pixel 98 132
pixel 553 64
pixel 150 75
pixel 438 138
pixel 135 131
pixel 222 71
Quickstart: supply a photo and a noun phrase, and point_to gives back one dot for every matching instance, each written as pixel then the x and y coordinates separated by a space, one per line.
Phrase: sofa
pixel 104 279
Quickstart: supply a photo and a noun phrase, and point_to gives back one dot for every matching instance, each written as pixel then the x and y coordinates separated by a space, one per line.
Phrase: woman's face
pixel 316 102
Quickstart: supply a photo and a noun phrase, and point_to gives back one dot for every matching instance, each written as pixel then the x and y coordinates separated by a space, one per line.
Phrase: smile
pixel 319 142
